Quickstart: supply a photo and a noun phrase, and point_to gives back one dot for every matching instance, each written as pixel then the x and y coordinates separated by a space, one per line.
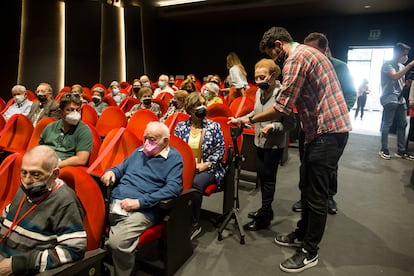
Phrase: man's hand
pixel 108 178
pixel 6 267
pixel 129 204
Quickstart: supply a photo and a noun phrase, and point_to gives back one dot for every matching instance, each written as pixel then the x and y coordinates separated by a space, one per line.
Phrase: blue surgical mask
pixel 115 91
pixel 161 84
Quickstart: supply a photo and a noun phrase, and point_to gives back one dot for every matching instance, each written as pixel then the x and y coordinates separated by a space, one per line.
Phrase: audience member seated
pixel 177 104
pixel 211 93
pixel 69 136
pixel 171 82
pixel 77 90
pixel 46 106
pixel 150 174
pixel 116 92
pixel 21 104
pixel 212 78
pixel 42 227
pixel 136 86
pixel 97 100
pixel 163 86
pixel 188 85
pixel 207 142
pixel 145 82
pixel 145 97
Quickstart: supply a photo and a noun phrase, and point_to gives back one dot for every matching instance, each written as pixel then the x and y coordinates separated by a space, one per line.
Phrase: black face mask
pixel 281 58
pixel 264 85
pixel 136 89
pixel 96 100
pixel 42 98
pixel 35 191
pixel 200 111
pixel 171 83
pixel 146 101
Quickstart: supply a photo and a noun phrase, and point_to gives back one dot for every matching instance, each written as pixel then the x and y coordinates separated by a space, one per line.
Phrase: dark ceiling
pixel 214 10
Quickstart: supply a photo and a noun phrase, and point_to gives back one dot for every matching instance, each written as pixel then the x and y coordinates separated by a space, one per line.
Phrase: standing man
pixel 310 83
pixel 21 104
pixel 395 108
pixel 320 41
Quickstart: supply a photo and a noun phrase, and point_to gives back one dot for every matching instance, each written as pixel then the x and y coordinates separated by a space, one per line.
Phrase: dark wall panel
pixel 201 47
pixel 40 47
pixel 9 46
pixel 83 36
pixel 133 43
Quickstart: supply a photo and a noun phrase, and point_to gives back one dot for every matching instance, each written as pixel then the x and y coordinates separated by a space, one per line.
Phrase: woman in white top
pixel 237 79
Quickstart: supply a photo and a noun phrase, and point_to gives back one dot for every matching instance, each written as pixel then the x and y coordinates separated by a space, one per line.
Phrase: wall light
pixel 166 3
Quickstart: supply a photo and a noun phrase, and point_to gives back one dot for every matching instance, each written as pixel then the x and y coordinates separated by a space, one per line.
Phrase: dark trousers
pixel 200 182
pixel 361 101
pixel 267 164
pixel 333 184
pixel 320 161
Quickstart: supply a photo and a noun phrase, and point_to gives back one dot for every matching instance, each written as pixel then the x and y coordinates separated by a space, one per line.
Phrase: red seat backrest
pixel 90 196
pixel 89 114
pixel 175 118
pixel 139 121
pixel 16 133
pixel 218 109
pixel 96 144
pixel 9 178
pixel 111 117
pixel 126 104
pixel 118 151
pixel 188 160
pixel 34 139
pixel 242 106
pixel 109 100
pixel 162 104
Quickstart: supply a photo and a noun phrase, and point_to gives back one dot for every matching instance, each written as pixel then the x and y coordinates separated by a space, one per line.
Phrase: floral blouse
pixel 212 146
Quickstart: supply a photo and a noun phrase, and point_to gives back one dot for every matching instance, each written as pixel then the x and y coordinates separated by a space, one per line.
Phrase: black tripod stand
pixel 234 170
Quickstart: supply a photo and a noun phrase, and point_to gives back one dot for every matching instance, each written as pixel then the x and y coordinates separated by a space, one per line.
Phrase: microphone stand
pixel 235 168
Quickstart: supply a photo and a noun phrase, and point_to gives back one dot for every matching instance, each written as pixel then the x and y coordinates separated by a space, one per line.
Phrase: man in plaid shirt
pixel 309 83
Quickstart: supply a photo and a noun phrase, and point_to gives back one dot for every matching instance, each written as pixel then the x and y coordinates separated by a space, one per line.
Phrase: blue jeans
pixel 320 162
pixel 200 182
pixel 391 112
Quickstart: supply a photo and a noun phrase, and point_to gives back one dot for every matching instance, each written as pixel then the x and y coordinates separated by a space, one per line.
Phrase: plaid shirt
pixel 310 83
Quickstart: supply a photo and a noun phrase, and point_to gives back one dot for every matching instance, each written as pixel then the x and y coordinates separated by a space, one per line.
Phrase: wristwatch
pixel 251 119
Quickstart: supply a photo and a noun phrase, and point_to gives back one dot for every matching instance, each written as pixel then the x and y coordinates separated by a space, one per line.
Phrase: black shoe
pixel 299 262
pixel 332 209
pixel 195 231
pixel 288 240
pixel 255 225
pixel 297 206
pixel 258 213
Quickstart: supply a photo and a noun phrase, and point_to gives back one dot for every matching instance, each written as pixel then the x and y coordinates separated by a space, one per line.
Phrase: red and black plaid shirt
pixel 310 83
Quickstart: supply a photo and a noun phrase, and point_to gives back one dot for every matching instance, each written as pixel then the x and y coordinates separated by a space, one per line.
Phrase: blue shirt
pixel 149 179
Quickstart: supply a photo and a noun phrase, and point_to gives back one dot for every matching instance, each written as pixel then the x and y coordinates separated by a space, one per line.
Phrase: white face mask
pixel 73 118
pixel 404 59
pixel 19 98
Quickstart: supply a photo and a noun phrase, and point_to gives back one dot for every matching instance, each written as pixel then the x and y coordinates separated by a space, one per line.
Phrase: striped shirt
pixel 310 83
pixel 50 235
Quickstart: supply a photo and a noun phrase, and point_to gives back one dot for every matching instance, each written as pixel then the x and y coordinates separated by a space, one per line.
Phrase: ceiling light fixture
pixel 166 3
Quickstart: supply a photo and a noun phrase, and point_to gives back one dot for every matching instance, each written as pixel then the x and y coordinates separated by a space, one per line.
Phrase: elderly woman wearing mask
pixel 206 140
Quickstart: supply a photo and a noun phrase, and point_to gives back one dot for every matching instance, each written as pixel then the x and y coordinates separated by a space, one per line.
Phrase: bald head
pixel 44 156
